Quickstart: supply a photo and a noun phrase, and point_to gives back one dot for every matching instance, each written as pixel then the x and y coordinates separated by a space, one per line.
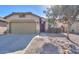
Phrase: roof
pixel 16 13
pixel 2 20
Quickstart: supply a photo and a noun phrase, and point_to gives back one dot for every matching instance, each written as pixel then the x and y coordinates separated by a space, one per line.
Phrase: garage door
pixel 23 28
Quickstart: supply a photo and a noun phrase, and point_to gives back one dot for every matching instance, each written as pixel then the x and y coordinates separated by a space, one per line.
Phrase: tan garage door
pixel 23 28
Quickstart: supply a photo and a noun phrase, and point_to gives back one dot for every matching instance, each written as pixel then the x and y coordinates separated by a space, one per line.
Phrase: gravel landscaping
pixel 45 44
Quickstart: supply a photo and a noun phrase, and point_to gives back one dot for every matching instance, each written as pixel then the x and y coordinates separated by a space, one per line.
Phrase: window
pixel 22 15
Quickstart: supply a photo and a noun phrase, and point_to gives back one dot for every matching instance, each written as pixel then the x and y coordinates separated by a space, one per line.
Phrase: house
pixel 3 25
pixel 62 24
pixel 25 22
pixel 75 26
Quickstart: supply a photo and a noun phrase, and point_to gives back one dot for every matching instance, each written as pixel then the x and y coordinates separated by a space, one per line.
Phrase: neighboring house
pixel 25 23
pixel 75 27
pixel 3 26
pixel 63 25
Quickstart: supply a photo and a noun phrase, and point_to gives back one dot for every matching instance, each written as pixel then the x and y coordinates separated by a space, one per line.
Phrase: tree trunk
pixel 68 37
pixel 68 28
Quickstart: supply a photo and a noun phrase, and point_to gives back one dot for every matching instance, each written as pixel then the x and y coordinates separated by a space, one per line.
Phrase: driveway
pixel 11 43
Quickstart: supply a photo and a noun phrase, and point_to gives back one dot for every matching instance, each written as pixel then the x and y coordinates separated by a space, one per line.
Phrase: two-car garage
pixel 22 27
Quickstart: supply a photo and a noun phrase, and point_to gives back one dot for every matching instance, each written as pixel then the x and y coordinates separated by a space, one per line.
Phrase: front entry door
pixel 42 26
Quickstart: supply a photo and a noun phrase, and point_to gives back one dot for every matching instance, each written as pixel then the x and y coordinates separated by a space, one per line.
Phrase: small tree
pixel 68 11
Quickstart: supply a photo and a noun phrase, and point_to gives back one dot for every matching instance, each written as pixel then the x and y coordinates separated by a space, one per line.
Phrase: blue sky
pixel 7 9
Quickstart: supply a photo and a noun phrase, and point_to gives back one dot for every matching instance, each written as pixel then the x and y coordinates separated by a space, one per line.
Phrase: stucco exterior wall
pixel 75 27
pixel 3 24
pixel 27 17
pixel 46 26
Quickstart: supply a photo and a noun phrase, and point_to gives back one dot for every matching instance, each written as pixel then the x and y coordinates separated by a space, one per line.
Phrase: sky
pixel 8 9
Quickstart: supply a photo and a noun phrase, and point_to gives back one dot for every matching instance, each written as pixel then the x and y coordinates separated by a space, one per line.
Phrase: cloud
pixel 46 6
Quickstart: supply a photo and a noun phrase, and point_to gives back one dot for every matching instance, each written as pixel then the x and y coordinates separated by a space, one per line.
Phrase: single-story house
pixel 3 25
pixel 25 22
pixel 75 27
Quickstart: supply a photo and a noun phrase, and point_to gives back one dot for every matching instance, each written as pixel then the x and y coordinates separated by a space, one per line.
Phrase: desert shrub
pixel 55 30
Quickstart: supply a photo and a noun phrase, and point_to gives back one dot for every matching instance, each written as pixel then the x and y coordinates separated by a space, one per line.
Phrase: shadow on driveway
pixel 53 34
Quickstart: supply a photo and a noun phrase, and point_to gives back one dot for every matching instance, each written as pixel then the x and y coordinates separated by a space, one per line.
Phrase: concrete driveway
pixel 11 43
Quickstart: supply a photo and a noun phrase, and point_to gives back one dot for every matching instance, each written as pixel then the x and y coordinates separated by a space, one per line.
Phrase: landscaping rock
pixel 49 48
pixel 74 49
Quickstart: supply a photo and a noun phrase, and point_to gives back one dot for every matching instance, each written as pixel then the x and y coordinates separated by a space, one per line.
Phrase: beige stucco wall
pixel 46 26
pixel 65 27
pixel 2 30
pixel 75 27
pixel 26 17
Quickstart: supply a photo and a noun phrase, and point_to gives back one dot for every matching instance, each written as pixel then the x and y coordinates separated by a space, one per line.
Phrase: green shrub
pixel 55 30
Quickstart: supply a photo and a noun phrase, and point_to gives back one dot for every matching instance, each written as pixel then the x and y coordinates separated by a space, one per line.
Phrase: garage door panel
pixel 23 28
